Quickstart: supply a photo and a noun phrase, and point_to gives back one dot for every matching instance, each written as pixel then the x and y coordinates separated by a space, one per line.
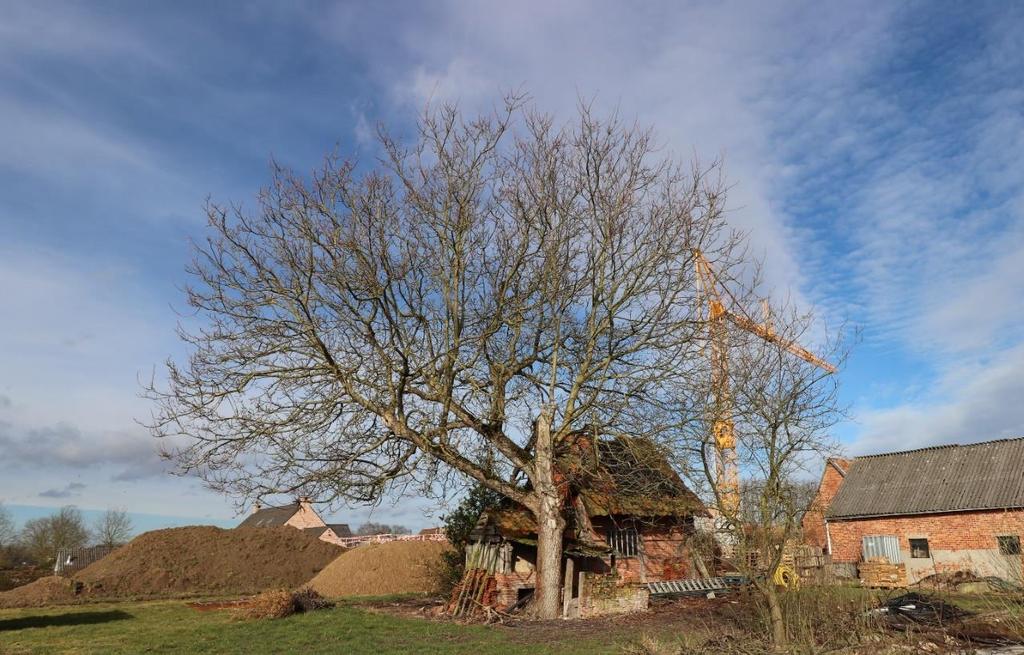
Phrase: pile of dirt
pixel 51 590
pixel 397 567
pixel 204 560
pixel 190 561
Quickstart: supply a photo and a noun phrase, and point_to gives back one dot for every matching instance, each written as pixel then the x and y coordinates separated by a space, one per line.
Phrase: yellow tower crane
pixel 726 468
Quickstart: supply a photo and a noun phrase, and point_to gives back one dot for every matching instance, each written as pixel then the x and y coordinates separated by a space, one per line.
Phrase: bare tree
pixel 381 528
pixel 7 535
pixel 43 537
pixel 7 529
pixel 113 528
pixel 783 408
pixel 461 308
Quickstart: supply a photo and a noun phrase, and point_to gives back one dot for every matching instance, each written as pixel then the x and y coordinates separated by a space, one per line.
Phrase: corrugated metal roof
pixel 954 478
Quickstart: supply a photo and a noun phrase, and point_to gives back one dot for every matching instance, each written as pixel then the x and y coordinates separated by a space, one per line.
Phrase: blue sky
pixel 874 150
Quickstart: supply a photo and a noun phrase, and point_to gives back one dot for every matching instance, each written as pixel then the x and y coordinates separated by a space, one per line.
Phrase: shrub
pixel 457 527
pixel 307 600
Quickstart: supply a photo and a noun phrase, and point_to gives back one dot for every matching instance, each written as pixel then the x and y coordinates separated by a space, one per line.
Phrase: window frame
pixel 625 535
pixel 1012 551
pixel 915 549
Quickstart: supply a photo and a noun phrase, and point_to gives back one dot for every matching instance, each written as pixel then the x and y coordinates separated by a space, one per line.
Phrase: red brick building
pixel 935 510
pixel 814 519
pixel 630 518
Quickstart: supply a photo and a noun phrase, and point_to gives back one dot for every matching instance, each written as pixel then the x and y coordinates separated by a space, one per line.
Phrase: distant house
pixel 630 519
pixel 934 510
pixel 70 560
pixel 299 515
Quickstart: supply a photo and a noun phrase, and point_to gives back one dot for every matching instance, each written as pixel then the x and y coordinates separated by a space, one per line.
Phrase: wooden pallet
pixel 882 575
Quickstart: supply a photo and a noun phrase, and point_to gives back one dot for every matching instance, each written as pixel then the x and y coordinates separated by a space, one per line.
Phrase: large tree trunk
pixel 550 523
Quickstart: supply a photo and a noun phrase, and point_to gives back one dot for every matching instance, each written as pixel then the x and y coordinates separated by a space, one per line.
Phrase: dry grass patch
pixel 280 603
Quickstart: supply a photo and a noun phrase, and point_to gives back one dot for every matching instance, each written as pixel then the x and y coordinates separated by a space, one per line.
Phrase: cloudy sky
pixel 875 153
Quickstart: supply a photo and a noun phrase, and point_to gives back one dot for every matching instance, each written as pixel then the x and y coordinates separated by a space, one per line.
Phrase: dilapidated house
pixel 933 510
pixel 299 515
pixel 630 519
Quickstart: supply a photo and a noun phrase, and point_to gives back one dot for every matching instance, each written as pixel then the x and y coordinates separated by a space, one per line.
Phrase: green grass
pixel 355 628
pixel 171 627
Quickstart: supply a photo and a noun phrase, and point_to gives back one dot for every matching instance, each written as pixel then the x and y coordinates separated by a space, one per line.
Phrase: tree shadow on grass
pixel 70 618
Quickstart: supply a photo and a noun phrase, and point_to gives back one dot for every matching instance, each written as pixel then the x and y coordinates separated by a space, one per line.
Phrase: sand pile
pixel 197 560
pixel 396 567
pixel 51 590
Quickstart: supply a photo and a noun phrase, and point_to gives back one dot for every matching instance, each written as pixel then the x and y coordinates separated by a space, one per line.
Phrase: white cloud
pixel 67 491
pixel 705 76
pixel 790 95
pixel 64 445
pixel 975 402
pixel 76 335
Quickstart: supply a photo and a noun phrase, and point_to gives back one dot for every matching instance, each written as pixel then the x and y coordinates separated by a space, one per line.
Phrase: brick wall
pixel 508 586
pixel 814 518
pixel 601 595
pixel 666 555
pixel 956 541
pixel 306 517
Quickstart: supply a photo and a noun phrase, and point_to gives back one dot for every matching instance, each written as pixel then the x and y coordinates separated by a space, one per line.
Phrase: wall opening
pixel 919 549
pixel 624 540
pixel 1009 545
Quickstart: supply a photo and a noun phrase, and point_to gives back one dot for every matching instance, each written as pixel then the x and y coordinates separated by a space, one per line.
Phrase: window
pixel 919 549
pixel 624 540
pixel 1009 545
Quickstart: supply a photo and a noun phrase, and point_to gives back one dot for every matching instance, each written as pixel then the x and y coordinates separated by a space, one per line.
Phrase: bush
pixel 307 600
pixel 457 527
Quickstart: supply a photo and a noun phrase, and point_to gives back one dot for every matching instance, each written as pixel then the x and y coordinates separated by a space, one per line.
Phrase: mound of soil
pixel 191 561
pixel 397 567
pixel 51 590
pixel 205 560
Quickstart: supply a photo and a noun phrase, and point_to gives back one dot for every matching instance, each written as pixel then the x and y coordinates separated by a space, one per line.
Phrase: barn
pixel 934 510
pixel 630 523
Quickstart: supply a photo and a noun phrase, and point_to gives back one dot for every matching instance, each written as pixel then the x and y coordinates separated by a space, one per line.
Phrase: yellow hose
pixel 786 577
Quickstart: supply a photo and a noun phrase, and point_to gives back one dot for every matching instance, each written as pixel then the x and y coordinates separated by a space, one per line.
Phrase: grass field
pixel 830 619
pixel 171 627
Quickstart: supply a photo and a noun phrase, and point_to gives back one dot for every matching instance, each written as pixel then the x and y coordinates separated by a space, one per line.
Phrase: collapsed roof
pixel 617 477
